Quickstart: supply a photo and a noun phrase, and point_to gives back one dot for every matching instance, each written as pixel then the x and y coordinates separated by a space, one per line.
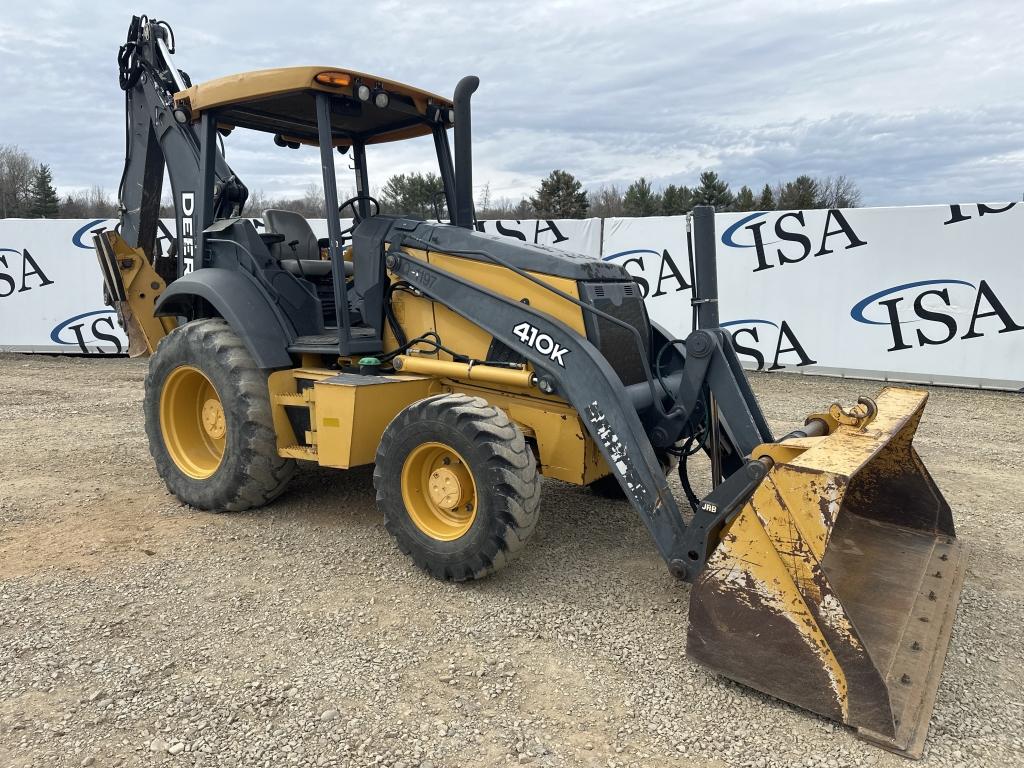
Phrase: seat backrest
pixel 299 240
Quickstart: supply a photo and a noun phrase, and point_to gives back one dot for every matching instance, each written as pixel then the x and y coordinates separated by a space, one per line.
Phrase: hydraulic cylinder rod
pixel 489 374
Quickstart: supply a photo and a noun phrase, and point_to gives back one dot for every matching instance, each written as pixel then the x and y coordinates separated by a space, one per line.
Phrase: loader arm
pixel 567 364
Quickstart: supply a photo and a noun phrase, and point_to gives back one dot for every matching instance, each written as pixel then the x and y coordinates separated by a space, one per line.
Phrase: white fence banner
pixel 929 294
pixel 577 235
pixel 932 294
pixel 51 290
pixel 654 251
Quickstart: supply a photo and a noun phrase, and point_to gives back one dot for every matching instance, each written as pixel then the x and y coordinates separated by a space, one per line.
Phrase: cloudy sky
pixel 918 101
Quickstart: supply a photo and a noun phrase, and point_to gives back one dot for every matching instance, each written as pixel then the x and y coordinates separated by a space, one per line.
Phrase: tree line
pixel 562 196
pixel 27 191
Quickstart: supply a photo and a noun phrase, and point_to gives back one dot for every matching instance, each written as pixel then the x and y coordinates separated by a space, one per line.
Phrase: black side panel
pixel 235 296
pixel 234 244
pixel 370 278
pixel 623 302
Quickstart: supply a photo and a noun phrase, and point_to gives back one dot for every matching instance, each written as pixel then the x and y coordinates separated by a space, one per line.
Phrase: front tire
pixel 209 421
pixel 458 486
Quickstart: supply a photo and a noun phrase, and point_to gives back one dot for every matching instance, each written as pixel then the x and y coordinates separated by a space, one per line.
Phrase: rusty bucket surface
pixel 836 586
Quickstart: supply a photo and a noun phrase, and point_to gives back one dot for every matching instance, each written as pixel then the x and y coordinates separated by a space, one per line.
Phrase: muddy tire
pixel 209 422
pixel 458 486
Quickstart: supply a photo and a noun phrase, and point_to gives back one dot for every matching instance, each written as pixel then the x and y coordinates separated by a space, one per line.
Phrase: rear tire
pixel 458 486
pixel 209 421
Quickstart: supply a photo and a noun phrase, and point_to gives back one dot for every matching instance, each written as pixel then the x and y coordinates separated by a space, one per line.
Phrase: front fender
pixel 238 298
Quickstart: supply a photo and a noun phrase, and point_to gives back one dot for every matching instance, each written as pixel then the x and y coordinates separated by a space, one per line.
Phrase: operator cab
pixel 334 110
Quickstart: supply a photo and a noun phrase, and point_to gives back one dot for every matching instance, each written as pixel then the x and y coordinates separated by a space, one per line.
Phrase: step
pixel 303 452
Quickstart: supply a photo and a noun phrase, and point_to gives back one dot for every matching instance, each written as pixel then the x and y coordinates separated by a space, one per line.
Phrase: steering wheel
pixel 356 216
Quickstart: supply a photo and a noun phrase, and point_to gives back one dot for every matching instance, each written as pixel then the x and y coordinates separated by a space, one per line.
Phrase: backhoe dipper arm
pixel 569 365
pixel 157 135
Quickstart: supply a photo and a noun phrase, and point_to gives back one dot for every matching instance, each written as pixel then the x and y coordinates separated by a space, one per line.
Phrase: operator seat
pixel 299 253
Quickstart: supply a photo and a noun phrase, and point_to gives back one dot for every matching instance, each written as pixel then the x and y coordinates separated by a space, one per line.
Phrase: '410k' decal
pixel 541 342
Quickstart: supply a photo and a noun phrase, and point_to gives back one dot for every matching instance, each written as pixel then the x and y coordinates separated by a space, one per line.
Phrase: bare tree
pixel 605 202
pixel 88 204
pixel 17 172
pixel 838 192
pixel 506 208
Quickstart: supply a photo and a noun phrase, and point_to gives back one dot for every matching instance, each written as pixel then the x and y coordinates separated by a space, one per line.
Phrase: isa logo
pixel 791 239
pixel 20 272
pixel 648 266
pixel 95 225
pixel 937 311
pixel 767 341
pixel 88 331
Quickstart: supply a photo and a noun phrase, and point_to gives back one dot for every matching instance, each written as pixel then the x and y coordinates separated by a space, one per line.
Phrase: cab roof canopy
pixel 281 101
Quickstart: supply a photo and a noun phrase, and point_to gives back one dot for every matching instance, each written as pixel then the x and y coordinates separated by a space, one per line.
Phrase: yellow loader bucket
pixel 836 586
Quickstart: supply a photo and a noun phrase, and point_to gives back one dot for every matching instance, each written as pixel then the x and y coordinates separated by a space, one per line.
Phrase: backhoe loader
pixel 823 565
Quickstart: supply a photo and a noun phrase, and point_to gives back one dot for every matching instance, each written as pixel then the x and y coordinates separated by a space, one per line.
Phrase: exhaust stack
pixel 465 215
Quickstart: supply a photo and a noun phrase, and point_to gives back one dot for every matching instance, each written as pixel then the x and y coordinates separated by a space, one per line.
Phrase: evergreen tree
pixel 802 192
pixel 767 200
pixel 560 196
pixel 712 190
pixel 43 200
pixel 412 194
pixel 676 201
pixel 744 200
pixel 641 200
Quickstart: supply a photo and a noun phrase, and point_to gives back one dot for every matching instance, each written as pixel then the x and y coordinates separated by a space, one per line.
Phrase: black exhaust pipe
pixel 465 215
pixel 705 288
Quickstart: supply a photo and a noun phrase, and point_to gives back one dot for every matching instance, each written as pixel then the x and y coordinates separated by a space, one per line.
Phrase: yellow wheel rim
pixel 439 491
pixel 192 422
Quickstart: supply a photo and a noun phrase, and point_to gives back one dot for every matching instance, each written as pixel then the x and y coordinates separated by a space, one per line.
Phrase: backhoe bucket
pixel 836 586
pixel 131 286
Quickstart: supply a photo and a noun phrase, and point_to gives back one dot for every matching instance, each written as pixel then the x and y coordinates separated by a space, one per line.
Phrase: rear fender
pixel 236 297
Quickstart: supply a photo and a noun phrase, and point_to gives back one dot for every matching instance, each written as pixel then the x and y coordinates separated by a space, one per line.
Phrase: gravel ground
pixel 136 631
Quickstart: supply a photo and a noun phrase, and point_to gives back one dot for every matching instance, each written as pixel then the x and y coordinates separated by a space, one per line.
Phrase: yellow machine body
pixel 347 413
pixel 844 561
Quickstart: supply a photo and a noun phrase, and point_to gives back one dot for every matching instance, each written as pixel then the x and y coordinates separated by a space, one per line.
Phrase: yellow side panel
pixel 469 339
pixel 414 314
pixel 565 450
pixel 351 415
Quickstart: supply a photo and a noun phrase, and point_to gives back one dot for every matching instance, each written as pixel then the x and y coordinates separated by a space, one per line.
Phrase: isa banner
pixel 576 235
pixel 929 294
pixel 51 290
pixel 654 251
